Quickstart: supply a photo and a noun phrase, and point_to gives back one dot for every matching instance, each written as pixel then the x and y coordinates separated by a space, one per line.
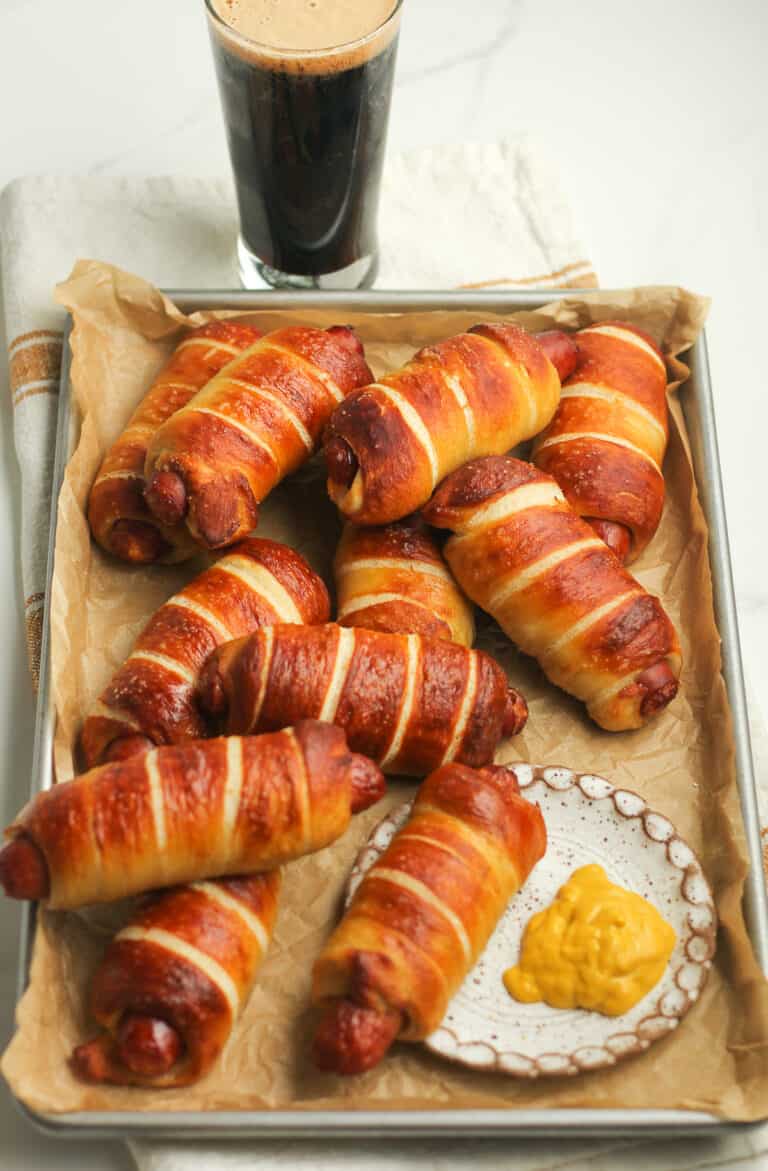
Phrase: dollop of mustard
pixel 596 946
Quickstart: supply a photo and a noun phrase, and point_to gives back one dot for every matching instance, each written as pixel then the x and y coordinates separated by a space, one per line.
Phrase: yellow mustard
pixel 597 946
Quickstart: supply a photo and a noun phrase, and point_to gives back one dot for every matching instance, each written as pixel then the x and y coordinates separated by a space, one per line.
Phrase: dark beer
pixel 306 137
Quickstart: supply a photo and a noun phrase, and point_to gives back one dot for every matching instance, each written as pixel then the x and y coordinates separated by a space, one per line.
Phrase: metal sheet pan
pixel 698 407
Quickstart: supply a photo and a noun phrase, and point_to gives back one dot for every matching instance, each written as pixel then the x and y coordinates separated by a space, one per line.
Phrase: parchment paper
pixel 681 763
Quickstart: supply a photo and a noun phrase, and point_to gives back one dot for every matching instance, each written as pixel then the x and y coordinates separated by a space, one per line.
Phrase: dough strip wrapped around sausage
pixel 165 1022
pixel 151 698
pixel 392 578
pixel 117 513
pixel 520 551
pixel 407 702
pixel 213 462
pixel 388 446
pixel 606 443
pixel 423 914
pixel 173 982
pixel 209 808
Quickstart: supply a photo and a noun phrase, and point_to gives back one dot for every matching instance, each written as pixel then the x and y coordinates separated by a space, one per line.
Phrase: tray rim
pixel 697 403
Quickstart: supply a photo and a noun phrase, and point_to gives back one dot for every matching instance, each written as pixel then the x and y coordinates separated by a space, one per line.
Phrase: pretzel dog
pixel 151 698
pixel 393 578
pixel 606 443
pixel 117 513
pixel 423 914
pixel 204 809
pixel 212 463
pixel 407 702
pixel 389 445
pixel 520 551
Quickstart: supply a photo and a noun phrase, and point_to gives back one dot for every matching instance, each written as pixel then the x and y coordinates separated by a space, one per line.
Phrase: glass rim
pixel 289 54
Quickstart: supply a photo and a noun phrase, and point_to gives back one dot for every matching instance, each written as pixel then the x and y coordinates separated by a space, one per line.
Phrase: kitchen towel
pixel 472 216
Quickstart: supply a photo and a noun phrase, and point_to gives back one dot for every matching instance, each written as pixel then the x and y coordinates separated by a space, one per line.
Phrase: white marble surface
pixel 656 114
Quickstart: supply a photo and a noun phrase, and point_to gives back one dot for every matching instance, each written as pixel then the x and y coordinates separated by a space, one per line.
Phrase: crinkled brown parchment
pixel 683 763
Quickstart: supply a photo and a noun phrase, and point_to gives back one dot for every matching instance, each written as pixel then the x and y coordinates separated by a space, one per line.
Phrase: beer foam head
pixel 305 36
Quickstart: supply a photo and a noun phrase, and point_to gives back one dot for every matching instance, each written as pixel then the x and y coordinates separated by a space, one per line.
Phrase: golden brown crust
pixel 254 424
pixel 392 578
pixel 555 588
pixel 257 583
pixel 408 703
pixel 474 394
pixel 238 607
pixel 202 809
pixel 119 518
pixel 606 443
pixel 207 929
pixel 426 908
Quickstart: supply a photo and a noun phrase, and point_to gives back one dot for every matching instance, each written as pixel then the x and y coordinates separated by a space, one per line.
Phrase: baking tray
pixel 698 408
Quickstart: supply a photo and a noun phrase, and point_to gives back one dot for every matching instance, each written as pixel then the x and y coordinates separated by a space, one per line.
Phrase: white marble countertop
pixel 656 114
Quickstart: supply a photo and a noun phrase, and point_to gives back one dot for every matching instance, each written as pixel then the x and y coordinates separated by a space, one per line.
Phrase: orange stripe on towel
pixel 34 364
pixel 579 274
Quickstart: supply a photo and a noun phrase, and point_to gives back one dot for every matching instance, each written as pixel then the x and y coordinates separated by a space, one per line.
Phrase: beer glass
pixel 306 130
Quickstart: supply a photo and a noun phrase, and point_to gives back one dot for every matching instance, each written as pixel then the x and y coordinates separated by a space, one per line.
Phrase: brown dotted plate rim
pixel 694 890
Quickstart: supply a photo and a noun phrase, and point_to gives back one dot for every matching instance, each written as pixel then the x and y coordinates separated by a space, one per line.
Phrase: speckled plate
pixel 588 820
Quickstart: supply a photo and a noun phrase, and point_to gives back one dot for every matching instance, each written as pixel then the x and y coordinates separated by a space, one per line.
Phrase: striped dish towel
pixel 34 357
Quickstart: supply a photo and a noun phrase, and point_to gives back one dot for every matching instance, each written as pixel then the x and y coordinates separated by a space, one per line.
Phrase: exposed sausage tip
pixel 166 497
pixel 561 349
pixel 23 869
pixel 211 694
pixel 367 783
pixel 351 1039
pixel 616 536
pixel 515 713
pixel 340 461
pixel 347 335
pixel 660 687
pixel 147 1046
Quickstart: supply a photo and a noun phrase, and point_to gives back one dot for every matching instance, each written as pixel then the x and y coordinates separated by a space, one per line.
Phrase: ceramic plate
pixel 588 820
